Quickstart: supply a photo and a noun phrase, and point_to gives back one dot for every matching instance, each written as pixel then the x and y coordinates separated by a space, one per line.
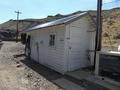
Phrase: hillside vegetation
pixel 27 23
pixel 8 29
pixel 111 25
pixel 111 28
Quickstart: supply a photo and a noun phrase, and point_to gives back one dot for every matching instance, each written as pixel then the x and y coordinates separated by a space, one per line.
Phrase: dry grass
pixel 111 28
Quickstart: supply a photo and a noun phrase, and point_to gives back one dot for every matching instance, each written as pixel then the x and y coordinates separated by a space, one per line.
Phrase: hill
pixel 8 29
pixel 111 25
pixel 27 23
pixel 111 28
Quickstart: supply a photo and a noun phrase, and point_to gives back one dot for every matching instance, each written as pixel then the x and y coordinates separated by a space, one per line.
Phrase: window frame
pixel 52 40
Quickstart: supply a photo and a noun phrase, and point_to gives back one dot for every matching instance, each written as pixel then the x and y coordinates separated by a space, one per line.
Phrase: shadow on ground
pixel 52 75
pixel 19 55
pixel 42 70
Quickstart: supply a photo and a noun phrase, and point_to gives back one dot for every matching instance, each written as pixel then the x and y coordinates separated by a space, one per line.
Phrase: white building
pixel 65 44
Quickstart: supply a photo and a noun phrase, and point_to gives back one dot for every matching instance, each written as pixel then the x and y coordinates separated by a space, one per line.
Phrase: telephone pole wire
pixel 17 24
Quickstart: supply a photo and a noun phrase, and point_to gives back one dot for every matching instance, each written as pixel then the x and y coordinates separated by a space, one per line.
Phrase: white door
pixel 77 49
pixel 42 47
pixel 41 52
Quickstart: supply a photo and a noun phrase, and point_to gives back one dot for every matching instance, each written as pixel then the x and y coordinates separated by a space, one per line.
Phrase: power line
pixel 115 1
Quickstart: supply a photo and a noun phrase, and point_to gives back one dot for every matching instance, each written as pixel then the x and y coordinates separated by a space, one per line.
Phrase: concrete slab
pixel 99 81
pixel 67 85
pixel 79 74
pixel 89 81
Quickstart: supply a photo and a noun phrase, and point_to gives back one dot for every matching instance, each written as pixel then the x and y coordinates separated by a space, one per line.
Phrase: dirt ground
pixel 14 75
pixel 20 73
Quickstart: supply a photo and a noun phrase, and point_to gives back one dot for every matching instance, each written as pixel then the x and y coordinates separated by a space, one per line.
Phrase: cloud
pixel 107 1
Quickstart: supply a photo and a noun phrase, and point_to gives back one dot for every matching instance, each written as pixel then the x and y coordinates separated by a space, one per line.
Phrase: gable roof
pixel 57 22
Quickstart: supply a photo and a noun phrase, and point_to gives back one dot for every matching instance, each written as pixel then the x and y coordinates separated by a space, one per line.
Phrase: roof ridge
pixel 57 22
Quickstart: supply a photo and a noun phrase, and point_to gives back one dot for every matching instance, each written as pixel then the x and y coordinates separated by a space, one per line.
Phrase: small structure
pixel 65 44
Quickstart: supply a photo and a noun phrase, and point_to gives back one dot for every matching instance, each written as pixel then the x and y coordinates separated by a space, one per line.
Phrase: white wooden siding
pixel 33 48
pixel 72 43
pixel 52 57
pixel 78 44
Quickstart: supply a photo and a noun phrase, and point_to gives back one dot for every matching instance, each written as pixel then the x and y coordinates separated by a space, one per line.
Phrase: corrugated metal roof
pixel 56 22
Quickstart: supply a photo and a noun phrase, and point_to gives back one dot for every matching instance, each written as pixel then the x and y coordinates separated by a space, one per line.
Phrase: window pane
pixel 52 40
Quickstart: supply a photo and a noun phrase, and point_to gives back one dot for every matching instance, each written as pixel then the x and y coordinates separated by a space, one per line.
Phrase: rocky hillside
pixel 8 29
pixel 111 25
pixel 111 28
pixel 27 23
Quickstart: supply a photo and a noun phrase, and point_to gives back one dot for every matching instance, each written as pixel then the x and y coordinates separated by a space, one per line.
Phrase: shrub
pixel 117 36
pixel 105 35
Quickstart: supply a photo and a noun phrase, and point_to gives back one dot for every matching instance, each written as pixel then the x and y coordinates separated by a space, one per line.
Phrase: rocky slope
pixel 111 28
pixel 111 25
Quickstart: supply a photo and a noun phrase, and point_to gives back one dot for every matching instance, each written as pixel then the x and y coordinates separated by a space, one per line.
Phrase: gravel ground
pixel 15 75
pixel 19 73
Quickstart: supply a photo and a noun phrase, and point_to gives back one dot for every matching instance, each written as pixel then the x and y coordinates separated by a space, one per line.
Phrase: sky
pixel 43 8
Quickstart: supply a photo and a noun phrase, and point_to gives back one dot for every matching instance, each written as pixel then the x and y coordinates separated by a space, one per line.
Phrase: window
pixel 52 40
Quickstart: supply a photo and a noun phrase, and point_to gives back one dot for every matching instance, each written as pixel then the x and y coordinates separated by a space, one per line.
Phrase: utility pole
pixel 17 24
pixel 99 26
pixel 98 38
